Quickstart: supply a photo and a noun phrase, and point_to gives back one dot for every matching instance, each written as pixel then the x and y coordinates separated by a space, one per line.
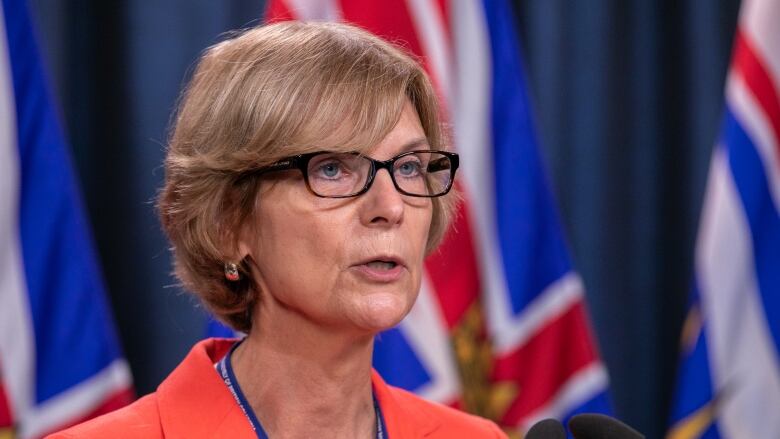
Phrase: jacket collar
pixel 403 420
pixel 194 402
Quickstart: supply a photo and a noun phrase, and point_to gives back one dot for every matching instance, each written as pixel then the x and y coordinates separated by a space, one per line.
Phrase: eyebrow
pixel 411 145
pixel 408 146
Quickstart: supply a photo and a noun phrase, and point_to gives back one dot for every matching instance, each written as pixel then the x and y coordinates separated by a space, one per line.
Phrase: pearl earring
pixel 231 272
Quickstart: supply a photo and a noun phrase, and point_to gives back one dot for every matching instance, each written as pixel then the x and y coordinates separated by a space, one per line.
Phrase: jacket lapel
pixel 195 403
pixel 402 420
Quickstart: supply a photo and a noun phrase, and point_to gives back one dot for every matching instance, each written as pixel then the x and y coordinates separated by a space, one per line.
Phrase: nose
pixel 383 205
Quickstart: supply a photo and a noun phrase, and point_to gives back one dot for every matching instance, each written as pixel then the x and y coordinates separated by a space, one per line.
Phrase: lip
pixel 377 274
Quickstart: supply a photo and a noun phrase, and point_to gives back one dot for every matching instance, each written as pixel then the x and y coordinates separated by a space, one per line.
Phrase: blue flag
pixel 59 354
pixel 729 379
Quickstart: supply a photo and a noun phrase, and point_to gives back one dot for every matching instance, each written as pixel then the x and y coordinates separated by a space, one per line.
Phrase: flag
pixel 729 379
pixel 6 421
pixel 60 361
pixel 500 326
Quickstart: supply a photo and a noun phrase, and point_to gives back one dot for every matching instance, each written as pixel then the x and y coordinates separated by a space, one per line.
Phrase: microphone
pixel 546 429
pixel 597 426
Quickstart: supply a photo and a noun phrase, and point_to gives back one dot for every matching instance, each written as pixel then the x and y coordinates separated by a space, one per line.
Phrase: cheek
pixel 423 226
pixel 419 224
pixel 291 250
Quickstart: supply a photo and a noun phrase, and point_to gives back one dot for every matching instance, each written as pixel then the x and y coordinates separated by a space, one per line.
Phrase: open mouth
pixel 382 269
pixel 381 265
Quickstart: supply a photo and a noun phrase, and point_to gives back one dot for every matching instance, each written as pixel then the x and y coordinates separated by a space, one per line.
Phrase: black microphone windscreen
pixel 597 426
pixel 546 429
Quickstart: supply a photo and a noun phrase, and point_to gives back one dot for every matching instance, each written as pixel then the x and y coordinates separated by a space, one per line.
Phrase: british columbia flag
pixel 500 326
pixel 60 361
pixel 729 380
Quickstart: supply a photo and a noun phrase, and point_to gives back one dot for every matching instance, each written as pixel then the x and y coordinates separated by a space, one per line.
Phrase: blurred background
pixel 628 98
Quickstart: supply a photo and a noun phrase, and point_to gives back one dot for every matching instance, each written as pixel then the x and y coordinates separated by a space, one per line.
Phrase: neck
pixel 303 381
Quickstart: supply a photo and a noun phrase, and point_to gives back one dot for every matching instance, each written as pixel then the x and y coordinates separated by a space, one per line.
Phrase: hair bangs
pixel 351 110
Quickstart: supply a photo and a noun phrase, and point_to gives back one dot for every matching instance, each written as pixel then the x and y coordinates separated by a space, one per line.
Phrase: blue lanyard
pixel 226 372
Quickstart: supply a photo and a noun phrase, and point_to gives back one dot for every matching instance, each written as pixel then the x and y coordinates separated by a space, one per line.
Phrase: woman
pixel 305 183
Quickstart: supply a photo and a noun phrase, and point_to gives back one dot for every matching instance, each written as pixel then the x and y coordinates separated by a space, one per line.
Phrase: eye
pixel 329 169
pixel 411 166
pixel 330 166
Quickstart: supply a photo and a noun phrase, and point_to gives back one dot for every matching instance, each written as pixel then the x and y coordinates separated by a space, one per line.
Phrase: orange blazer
pixel 193 402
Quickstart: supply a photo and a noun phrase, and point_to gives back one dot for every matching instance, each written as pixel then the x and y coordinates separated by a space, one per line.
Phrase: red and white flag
pixel 500 327
pixel 729 379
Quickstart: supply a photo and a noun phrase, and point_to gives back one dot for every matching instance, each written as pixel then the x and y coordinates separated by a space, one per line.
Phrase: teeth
pixel 381 265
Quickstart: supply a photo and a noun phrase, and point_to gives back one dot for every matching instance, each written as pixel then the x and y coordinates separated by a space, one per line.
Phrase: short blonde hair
pixel 267 93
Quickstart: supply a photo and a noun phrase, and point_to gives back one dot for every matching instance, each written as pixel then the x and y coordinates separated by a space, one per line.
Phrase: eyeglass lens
pixel 345 174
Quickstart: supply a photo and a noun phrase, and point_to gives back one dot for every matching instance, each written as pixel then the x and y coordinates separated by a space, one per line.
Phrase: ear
pixel 244 248
pixel 237 243
pixel 245 242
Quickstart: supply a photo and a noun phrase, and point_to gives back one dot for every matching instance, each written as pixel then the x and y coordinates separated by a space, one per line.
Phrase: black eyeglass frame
pixel 301 163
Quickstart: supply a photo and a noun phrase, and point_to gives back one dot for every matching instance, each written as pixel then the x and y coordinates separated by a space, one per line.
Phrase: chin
pixel 382 311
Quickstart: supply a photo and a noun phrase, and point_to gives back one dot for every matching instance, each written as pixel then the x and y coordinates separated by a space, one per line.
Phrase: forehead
pixel 407 135
pixel 367 127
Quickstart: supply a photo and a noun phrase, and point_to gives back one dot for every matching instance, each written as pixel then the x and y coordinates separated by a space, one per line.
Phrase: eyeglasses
pixel 349 174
